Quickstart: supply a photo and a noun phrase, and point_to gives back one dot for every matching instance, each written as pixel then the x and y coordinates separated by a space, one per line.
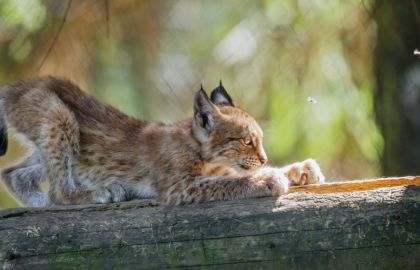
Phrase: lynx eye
pixel 247 140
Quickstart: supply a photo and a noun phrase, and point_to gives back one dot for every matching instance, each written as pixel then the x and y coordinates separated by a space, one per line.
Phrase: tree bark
pixel 370 229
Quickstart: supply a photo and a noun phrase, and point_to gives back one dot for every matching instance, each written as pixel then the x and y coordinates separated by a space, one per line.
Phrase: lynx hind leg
pixel 59 145
pixel 51 127
pixel 23 181
pixel 58 142
pixel 305 172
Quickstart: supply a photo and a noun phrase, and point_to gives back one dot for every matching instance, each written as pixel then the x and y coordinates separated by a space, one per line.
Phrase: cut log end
pixel 358 185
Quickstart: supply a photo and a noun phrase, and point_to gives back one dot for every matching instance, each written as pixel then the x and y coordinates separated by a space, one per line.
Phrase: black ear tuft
pixel 219 96
pixel 203 110
pixel 3 140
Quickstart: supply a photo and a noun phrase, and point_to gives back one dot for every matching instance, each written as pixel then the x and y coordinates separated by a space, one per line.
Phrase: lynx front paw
pixel 275 180
pixel 305 172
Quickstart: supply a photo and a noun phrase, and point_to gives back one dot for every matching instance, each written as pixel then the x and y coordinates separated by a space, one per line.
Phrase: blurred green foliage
pixel 302 68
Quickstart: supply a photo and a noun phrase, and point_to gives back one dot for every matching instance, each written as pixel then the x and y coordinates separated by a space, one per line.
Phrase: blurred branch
pixel 106 2
pixel 63 21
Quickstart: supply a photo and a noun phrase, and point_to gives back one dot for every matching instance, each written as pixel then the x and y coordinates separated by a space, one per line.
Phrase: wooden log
pixel 368 229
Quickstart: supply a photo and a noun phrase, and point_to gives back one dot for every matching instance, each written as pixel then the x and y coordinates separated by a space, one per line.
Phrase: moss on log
pixel 374 229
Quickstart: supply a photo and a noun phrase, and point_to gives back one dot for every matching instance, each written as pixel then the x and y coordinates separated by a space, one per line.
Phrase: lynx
pixel 90 152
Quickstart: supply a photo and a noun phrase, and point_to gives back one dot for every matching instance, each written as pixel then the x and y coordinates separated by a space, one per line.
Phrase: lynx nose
pixel 262 156
pixel 263 160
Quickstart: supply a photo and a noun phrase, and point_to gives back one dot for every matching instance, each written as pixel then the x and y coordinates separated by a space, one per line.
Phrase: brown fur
pixel 92 153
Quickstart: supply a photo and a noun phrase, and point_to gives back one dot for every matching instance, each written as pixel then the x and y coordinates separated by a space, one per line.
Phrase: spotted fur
pixel 90 152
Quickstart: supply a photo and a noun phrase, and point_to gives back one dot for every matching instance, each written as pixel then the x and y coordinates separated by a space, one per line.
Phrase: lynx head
pixel 228 135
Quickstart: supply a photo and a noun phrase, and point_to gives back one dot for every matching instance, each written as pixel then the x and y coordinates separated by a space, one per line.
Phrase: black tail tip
pixel 3 142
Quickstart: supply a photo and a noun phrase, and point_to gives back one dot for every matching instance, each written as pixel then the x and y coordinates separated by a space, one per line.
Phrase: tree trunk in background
pixel 397 93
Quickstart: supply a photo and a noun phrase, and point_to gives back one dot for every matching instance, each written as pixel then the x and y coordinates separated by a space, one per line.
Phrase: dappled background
pixel 334 80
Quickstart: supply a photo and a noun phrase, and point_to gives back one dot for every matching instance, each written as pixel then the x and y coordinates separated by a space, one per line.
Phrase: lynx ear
pixel 204 110
pixel 219 96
